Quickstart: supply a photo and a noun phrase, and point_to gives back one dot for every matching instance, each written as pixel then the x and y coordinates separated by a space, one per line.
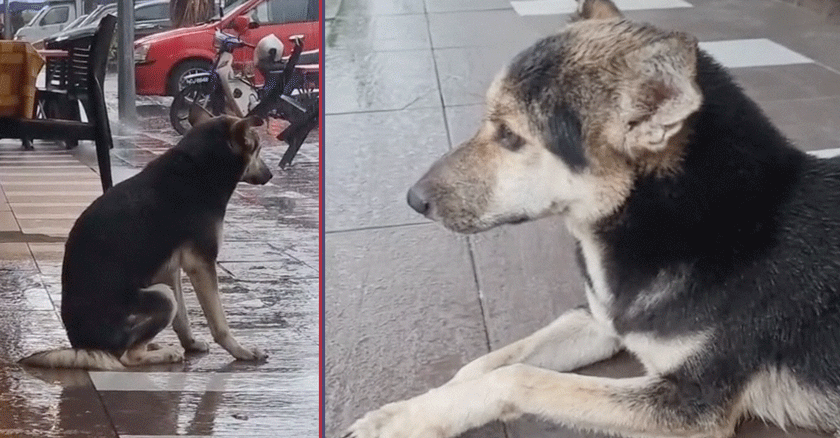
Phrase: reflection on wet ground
pixel 269 284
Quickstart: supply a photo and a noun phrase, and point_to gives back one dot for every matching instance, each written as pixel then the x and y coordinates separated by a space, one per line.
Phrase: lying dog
pixel 710 247
pixel 121 276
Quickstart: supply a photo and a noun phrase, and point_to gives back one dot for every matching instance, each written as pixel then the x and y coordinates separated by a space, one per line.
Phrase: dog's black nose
pixel 417 200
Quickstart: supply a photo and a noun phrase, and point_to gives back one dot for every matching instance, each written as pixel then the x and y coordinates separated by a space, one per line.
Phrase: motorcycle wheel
pixel 179 112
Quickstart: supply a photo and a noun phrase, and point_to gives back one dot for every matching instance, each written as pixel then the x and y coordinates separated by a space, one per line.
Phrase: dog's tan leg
pixel 641 406
pixel 572 341
pixel 204 280
pixel 181 323
pixel 142 355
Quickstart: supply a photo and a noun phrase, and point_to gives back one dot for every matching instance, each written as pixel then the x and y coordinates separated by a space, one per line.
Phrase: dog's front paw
pixel 253 354
pixel 197 346
pixel 395 420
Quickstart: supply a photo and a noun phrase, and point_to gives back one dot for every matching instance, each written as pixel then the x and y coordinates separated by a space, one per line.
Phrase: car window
pixel 290 11
pixel 37 16
pixel 56 16
pixel 260 14
pixel 158 11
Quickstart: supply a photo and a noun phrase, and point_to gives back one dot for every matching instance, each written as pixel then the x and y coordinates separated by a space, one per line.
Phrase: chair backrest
pixel 101 45
pixel 88 59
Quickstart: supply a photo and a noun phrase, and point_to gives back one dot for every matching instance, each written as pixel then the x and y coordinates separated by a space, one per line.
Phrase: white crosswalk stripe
pixel 759 52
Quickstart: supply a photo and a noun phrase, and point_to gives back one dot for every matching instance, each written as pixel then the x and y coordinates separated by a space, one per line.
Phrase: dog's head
pixel 569 124
pixel 242 141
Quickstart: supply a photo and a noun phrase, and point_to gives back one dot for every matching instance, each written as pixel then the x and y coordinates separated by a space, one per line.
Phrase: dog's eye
pixel 508 139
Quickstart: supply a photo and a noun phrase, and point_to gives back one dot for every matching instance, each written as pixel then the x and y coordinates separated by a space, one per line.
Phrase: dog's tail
pixel 73 358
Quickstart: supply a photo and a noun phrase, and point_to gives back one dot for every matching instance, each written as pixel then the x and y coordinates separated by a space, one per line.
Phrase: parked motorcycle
pixel 223 90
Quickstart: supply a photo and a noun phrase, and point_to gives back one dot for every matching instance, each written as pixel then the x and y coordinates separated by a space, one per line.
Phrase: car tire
pixel 190 66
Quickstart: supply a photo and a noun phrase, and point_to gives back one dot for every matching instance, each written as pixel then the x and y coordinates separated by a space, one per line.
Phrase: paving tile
pixel 818 41
pixel 381 33
pixel 404 145
pixel 26 332
pixel 788 82
pixel 14 174
pixel 56 227
pixel 812 124
pixel 465 73
pixel 465 5
pixel 754 52
pixel 16 256
pixel 280 317
pixel 218 414
pixel 812 136
pixel 51 199
pixel 52 178
pixel 372 81
pixel 396 318
pixel 269 271
pixel 463 122
pixel 8 221
pixel 47 255
pixel 23 291
pixel 14 168
pixel 379 7
pixel 51 403
pixel 250 251
pixel 480 29
pixel 553 7
pixel 528 277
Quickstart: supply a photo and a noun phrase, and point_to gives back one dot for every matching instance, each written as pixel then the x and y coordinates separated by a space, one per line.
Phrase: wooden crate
pixel 19 67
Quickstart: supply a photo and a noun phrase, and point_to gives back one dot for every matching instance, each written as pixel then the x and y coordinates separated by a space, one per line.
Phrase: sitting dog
pixel 709 245
pixel 121 276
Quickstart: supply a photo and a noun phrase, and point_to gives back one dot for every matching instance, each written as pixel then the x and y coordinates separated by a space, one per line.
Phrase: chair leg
pixel 104 142
pixel 27 144
pixel 296 137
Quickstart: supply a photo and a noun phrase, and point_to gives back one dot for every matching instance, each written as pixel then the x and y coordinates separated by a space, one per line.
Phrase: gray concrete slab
pixel 380 32
pixel 463 122
pixel 376 81
pixel 369 8
pixel 391 149
pixel 465 72
pixel 788 82
pixel 518 263
pixel 486 28
pixel 382 322
pixel 465 5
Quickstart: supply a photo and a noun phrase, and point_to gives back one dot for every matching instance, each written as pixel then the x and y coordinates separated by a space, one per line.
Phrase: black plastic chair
pixel 77 78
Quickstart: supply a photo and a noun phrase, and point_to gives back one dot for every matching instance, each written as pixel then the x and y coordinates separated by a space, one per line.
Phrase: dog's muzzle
pixel 257 173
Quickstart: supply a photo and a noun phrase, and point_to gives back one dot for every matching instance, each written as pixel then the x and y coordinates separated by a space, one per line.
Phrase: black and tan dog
pixel 121 276
pixel 710 247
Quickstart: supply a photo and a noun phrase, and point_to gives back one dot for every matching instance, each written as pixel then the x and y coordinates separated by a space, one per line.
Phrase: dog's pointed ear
pixel 198 115
pixel 596 10
pixel 239 133
pixel 661 92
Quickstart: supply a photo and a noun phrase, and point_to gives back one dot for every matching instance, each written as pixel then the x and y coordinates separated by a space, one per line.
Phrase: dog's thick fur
pixel 120 279
pixel 710 247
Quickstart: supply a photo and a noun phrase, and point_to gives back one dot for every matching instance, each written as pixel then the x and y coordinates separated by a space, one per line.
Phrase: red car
pixel 162 60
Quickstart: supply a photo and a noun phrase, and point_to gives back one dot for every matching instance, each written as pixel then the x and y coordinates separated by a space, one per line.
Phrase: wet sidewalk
pixel 408 303
pixel 269 285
